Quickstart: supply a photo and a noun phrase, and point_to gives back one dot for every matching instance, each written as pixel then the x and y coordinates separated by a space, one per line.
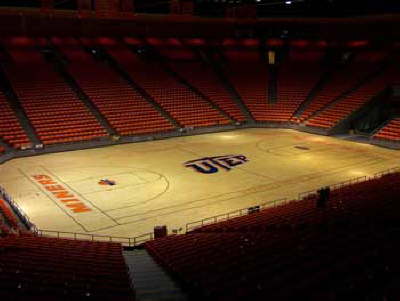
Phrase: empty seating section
pixel 390 131
pixel 344 202
pixel 177 54
pixel 54 110
pixel 173 50
pixel 249 76
pixel 10 128
pixel 188 65
pixel 189 109
pixel 346 251
pixel 200 75
pixel 5 228
pixel 203 78
pixel 9 218
pixel 297 76
pixel 124 108
pixel 39 268
pixel 343 81
pixel 339 110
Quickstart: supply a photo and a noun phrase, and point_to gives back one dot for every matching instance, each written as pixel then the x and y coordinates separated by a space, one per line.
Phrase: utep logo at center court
pixel 210 165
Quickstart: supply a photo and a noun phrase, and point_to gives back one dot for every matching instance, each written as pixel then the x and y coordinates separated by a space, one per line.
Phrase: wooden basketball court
pixel 179 180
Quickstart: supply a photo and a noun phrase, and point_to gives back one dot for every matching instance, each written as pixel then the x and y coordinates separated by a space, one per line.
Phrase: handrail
pixel 232 214
pixel 124 241
pixel 335 186
pixel 17 210
pixel 214 219
pixel 138 240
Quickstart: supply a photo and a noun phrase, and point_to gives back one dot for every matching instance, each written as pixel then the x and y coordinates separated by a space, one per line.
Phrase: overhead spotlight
pixel 288 2
pixel 284 34
pixel 258 1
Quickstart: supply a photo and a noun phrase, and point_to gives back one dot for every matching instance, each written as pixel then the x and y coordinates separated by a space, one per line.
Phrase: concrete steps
pixel 219 71
pixel 368 78
pixel 135 86
pixel 61 69
pixel 167 68
pixel 16 106
pixel 314 91
pixel 273 85
pixel 150 281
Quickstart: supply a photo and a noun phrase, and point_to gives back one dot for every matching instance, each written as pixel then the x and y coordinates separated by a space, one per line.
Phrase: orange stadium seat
pixel 9 216
pixel 342 80
pixel 293 251
pixel 390 131
pixel 201 76
pixel 356 99
pixel 189 109
pixel 249 76
pixel 297 76
pixel 124 108
pixel 10 128
pixel 47 100
pixel 62 269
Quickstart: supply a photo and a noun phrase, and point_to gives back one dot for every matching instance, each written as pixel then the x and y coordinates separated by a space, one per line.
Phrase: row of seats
pixel 344 201
pixel 39 268
pixel 355 100
pixel 10 128
pixel 58 116
pixel 297 76
pixel 189 109
pixel 342 80
pixel 177 52
pixel 5 229
pixel 201 76
pixel 53 108
pixel 11 223
pixel 391 131
pixel 249 75
pixel 124 108
pixel 345 251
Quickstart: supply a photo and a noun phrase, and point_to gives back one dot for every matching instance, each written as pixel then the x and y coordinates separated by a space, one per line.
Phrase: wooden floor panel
pixel 154 187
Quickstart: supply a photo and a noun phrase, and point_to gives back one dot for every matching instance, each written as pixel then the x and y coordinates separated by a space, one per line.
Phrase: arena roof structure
pixel 105 18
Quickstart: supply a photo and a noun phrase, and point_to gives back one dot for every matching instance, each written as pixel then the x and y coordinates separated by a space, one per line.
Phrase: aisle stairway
pixel 224 81
pixel 150 281
pixel 186 107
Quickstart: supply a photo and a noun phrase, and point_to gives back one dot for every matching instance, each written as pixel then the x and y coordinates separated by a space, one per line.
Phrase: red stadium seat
pixel 124 108
pixel 52 107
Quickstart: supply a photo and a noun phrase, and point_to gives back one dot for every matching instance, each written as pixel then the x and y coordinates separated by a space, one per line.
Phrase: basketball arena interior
pixel 199 150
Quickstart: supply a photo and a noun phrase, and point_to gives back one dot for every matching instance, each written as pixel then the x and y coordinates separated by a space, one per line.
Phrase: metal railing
pixel 335 186
pixel 138 240
pixel 232 214
pixel 17 210
pixel 303 195
pixel 125 241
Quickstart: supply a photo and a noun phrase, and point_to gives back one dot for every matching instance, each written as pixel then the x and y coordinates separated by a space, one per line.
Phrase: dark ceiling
pixel 301 19
pixel 265 8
